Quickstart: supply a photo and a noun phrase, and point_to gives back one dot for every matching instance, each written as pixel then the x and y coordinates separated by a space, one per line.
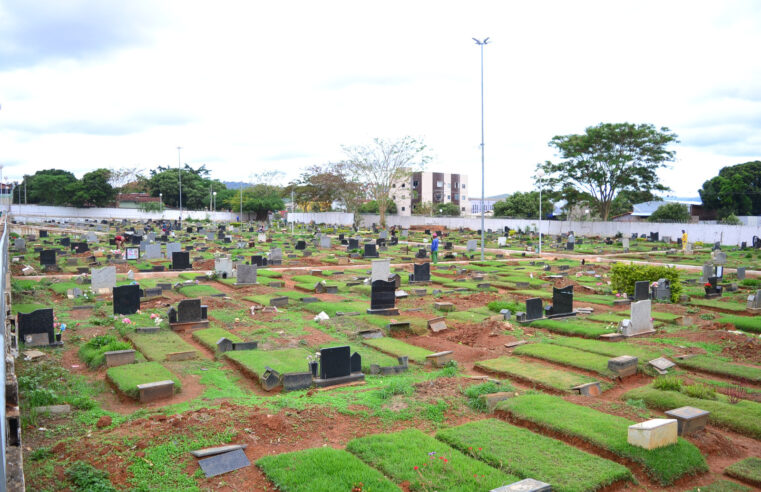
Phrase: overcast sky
pixel 246 87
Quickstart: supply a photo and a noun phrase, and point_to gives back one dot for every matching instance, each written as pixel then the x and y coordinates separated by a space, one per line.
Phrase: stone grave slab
pixel 525 485
pixel 158 390
pixel 439 359
pixel 624 365
pixel 224 463
pixel 661 364
pixel 652 434
pixel 689 419
pixel 246 275
pixel 119 357
pixel 103 279
pixel 437 324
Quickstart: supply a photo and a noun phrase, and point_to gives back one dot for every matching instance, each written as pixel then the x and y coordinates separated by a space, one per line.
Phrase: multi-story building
pixel 433 188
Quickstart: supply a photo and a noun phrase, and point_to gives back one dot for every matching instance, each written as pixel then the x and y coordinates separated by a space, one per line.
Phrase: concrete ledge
pixel 186 355
pixel 652 434
pixel 158 390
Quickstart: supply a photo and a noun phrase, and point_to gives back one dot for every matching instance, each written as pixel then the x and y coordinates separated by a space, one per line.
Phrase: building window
pixel 456 196
pixel 455 185
pixel 415 184
pixel 462 209
pixel 402 209
pixel 403 184
pixel 463 186
pixel 449 197
pixel 439 184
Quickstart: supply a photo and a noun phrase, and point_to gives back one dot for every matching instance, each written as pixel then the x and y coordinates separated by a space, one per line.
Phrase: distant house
pixel 134 200
pixel 641 211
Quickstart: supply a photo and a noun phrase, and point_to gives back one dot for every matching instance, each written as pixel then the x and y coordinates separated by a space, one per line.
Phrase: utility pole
pixel 483 231
pixel 179 171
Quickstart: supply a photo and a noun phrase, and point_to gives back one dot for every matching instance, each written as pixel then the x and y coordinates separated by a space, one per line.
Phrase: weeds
pixel 86 477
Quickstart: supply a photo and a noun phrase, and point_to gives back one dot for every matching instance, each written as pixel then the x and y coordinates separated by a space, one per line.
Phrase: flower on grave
pixel 618 295
pixel 63 327
pixel 158 321
pixel 415 468
pixel 237 320
pixel 154 315
pixel 599 283
pixel 707 284
pixel 654 284
pixel 126 321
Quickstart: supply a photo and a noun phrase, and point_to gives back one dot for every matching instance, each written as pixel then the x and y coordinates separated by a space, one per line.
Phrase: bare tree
pixel 382 163
pixel 121 177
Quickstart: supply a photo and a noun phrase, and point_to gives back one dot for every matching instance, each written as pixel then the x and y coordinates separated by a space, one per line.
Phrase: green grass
pixel 567 356
pixel 535 372
pixel 26 308
pixel 286 360
pixel 321 469
pixel 527 455
pixel 396 455
pixel 398 348
pixel 156 346
pixel 744 323
pixel 194 291
pixel 715 303
pixel 747 470
pixel 608 432
pixel 743 417
pixel 93 351
pixel 126 378
pixel 208 337
pixel 263 272
pixel 715 365
pixel 586 330
pixel 331 308
pixel 86 478
pixel 607 348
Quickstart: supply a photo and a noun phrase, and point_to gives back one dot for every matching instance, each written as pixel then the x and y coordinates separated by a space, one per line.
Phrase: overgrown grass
pixel 743 417
pixel 528 455
pixel 398 348
pixel 586 330
pixel 665 465
pixel 474 392
pixel 747 470
pixel 606 348
pixel 93 351
pixel 126 378
pixel 567 356
pixel 86 478
pixel 535 372
pixel 744 323
pixel 156 346
pixel 427 464
pixel 715 365
pixel 322 469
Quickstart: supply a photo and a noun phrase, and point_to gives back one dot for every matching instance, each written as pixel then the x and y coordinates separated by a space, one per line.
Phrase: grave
pixel 471 245
pixel 403 366
pixel 275 256
pixel 588 389
pixel 132 253
pixel 370 251
pixel 421 273
pixel 662 290
pixel 562 302
pixel 339 366
pixel 246 275
pixel 641 320
pixel 36 328
pixel 690 420
pixel 652 434
pixel 740 273
pixel 172 248
pixel 126 299
pixel 103 279
pixel 224 463
pixel 712 289
pixel 181 260
pixel 152 252
pixel 158 390
pixel 381 269
pixel 383 298
pixel 223 267
pixel 294 381
pixel 353 244
pixel 641 290
pixel 623 365
pixel 190 314
pixel 80 247
pixel 437 324
pixel 119 357
pixel 754 302
pixel 439 359
pixel 661 365
pixel 227 345
pixel 47 257
pixel 533 312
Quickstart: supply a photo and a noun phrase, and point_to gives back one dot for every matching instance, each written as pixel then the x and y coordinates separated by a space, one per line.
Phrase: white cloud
pixel 250 86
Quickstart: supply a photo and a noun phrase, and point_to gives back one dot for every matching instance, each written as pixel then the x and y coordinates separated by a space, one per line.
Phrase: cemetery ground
pixel 494 405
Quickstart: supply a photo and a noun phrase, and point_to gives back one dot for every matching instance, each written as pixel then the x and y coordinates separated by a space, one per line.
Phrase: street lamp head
pixel 485 41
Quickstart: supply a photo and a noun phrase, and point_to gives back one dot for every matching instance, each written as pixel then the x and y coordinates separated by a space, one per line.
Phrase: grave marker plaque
pixel 37 326
pixel 181 260
pixel 126 299
pixel 335 362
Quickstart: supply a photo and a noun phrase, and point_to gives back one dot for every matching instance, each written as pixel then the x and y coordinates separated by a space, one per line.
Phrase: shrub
pixel 497 306
pixel 92 352
pixel 670 212
pixel 668 383
pixel 86 477
pixel 730 219
pixel 699 390
pixel 624 276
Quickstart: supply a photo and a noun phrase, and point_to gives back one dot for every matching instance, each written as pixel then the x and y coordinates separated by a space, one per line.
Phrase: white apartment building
pixel 430 187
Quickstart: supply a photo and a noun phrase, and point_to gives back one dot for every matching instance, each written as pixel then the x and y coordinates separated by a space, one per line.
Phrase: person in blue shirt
pixel 435 248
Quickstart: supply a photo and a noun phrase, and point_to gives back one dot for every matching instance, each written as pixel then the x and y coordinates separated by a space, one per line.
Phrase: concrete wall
pixel 44 212
pixel 707 233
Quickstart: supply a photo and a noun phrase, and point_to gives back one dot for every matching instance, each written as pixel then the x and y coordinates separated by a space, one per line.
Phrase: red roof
pixel 136 197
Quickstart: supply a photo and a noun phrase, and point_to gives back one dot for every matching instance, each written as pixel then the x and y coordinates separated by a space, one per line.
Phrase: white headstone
pixel 472 245
pixel 223 267
pixel 103 279
pixel 152 251
pixel 501 241
pixel 381 270
pixel 641 318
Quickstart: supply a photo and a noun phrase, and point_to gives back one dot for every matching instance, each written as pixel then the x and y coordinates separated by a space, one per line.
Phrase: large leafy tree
pixel 447 210
pixel 382 163
pixel 319 186
pixel 49 187
pixel 670 212
pixel 736 190
pixel 197 187
pixel 609 158
pixel 94 189
pixel 259 199
pixel 523 205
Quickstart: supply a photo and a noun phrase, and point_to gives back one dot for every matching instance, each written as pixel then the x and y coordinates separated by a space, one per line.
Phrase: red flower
pixel 415 468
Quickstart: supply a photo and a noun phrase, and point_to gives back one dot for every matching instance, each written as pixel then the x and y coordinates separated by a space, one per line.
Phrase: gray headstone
pixel 223 267
pixel 152 251
pixel 471 245
pixel 246 275
pixel 172 248
pixel 641 318
pixel 223 463
pixel 103 279
pixel 740 273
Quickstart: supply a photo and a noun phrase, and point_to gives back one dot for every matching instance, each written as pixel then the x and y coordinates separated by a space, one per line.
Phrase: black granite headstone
pixel 534 308
pixel 353 243
pixel 335 362
pixel 382 295
pixel 43 233
pixel 422 272
pixel 181 260
pixel 258 260
pixel 64 241
pixel 39 321
pixel 562 300
pixel 189 310
pixel 47 257
pixel 356 362
pixel 126 299
pixel 80 247
pixel 641 291
pixel 301 245
pixel 370 251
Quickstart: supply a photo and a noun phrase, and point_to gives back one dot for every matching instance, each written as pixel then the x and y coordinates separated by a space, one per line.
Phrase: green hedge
pixel 624 276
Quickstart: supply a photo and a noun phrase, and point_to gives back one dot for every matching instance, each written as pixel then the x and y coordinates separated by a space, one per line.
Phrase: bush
pixel 668 383
pixel 624 276
pixel 670 212
pixel 86 477
pixel 497 306
pixel 92 352
pixel 699 390
pixel 730 219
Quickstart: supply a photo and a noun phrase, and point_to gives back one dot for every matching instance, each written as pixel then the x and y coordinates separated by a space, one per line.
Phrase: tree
pixel 610 158
pixel 197 187
pixel 736 190
pixel 447 210
pixel 49 187
pixel 626 199
pixel 523 205
pixel 127 179
pixel 382 163
pixel 92 190
pixel 423 208
pixel 260 199
pixel 372 207
pixel 670 212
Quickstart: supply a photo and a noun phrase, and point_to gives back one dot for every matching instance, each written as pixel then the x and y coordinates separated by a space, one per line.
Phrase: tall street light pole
pixel 179 171
pixel 540 175
pixel 481 44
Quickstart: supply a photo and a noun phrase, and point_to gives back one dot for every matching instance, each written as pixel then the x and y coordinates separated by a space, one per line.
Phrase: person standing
pixel 684 240
pixel 435 248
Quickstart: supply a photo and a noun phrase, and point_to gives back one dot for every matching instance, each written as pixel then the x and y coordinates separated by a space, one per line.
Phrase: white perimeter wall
pixel 44 212
pixel 707 233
